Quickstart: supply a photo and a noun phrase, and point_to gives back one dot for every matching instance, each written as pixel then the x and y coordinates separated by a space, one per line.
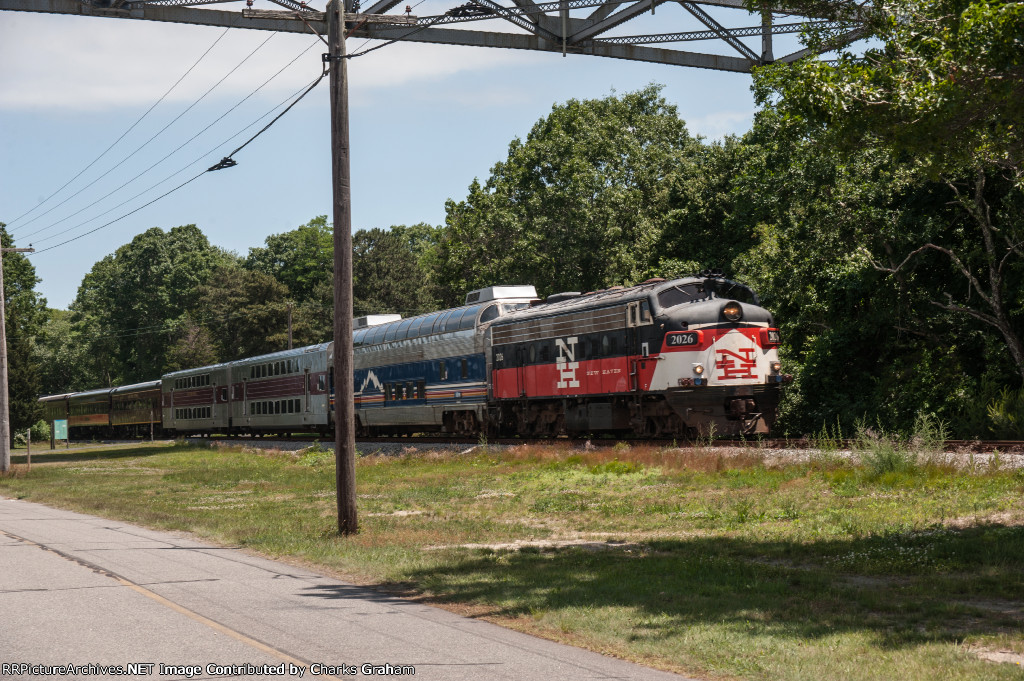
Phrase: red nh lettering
pixel 727 362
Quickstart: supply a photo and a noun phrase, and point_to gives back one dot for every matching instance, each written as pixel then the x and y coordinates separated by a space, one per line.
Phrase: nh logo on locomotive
pixel 736 364
pixel 566 362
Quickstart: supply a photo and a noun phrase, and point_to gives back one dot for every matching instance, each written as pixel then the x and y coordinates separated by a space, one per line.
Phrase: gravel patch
pixel 772 457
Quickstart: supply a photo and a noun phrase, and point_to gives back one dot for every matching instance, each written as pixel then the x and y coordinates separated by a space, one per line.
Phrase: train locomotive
pixel 679 358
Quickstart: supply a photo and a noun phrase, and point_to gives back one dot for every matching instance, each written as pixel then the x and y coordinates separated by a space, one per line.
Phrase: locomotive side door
pixel 521 371
pixel 633 343
pixel 638 315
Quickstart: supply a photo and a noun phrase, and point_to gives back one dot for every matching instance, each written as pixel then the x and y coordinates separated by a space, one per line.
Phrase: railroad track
pixel 953 446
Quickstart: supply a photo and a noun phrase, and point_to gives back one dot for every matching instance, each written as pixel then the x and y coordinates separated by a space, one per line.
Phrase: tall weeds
pixel 884 453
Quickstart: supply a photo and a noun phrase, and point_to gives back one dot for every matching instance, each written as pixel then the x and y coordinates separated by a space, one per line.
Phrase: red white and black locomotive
pixel 677 358
pixel 680 358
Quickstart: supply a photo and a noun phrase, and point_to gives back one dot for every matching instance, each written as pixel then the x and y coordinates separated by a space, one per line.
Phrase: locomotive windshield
pixel 717 288
pixel 677 295
pixel 723 288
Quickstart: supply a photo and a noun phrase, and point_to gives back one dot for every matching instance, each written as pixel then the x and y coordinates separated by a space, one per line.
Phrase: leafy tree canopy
pixel 299 259
pixel 130 302
pixel 943 95
pixel 25 314
pixel 946 84
pixel 579 205
pixel 386 272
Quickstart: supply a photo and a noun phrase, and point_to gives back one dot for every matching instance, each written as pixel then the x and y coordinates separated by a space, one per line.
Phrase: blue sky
pixel 425 121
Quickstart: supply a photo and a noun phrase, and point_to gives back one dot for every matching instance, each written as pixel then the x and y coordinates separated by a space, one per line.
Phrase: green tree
pixel 192 347
pixel 245 312
pixel 25 313
pixel 63 356
pixel 130 304
pixel 386 273
pixel 698 231
pixel 299 259
pixel 863 344
pixel 944 90
pixel 580 204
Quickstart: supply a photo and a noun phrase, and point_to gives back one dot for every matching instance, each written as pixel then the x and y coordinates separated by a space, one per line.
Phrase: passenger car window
pixel 468 320
pixel 427 326
pixel 442 321
pixel 378 335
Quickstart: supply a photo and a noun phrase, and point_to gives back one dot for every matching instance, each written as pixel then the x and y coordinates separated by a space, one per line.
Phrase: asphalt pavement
pixel 86 597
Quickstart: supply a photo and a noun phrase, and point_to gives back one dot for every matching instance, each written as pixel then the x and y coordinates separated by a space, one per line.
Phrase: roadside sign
pixel 60 429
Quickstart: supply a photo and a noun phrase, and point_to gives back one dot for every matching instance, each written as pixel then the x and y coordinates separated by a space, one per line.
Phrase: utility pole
pixel 344 404
pixel 5 416
pixel 289 325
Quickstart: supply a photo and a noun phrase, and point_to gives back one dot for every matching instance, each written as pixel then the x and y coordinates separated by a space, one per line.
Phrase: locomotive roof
pixel 616 295
pixel 610 296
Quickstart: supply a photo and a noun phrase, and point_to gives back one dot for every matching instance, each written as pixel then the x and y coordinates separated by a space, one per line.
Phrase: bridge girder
pixel 543 26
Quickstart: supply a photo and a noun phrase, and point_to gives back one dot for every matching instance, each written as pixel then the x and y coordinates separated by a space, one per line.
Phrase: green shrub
pixel 1006 414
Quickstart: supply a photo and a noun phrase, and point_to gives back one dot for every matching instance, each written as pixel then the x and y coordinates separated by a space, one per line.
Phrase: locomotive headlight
pixel 776 367
pixel 733 312
pixel 698 369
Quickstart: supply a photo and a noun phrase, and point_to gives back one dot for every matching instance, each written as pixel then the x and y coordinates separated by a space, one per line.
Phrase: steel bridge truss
pixel 563 26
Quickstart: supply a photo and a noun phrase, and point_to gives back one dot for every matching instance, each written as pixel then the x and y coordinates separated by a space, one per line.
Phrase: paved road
pixel 82 590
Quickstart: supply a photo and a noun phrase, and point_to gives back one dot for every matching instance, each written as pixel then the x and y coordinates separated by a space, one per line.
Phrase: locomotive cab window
pixel 733 291
pixel 489 314
pixel 677 295
pixel 645 313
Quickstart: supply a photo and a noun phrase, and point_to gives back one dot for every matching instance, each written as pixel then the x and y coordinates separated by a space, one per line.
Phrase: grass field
pixel 694 560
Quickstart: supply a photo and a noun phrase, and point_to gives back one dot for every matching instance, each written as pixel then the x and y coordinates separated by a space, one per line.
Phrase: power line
pixel 159 162
pixel 192 179
pixel 141 147
pixel 125 133
pixel 227 161
pixel 174 174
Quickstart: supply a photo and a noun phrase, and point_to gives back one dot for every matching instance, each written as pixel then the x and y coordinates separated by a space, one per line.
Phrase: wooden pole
pixel 289 326
pixel 344 406
pixel 28 448
pixel 5 421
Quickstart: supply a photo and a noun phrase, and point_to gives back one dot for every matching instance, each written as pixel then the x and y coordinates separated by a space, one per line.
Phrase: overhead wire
pixel 296 96
pixel 141 147
pixel 125 133
pixel 167 156
pixel 220 165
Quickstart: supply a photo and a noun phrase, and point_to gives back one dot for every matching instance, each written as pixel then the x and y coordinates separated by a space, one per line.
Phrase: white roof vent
pixel 495 292
pixel 374 320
